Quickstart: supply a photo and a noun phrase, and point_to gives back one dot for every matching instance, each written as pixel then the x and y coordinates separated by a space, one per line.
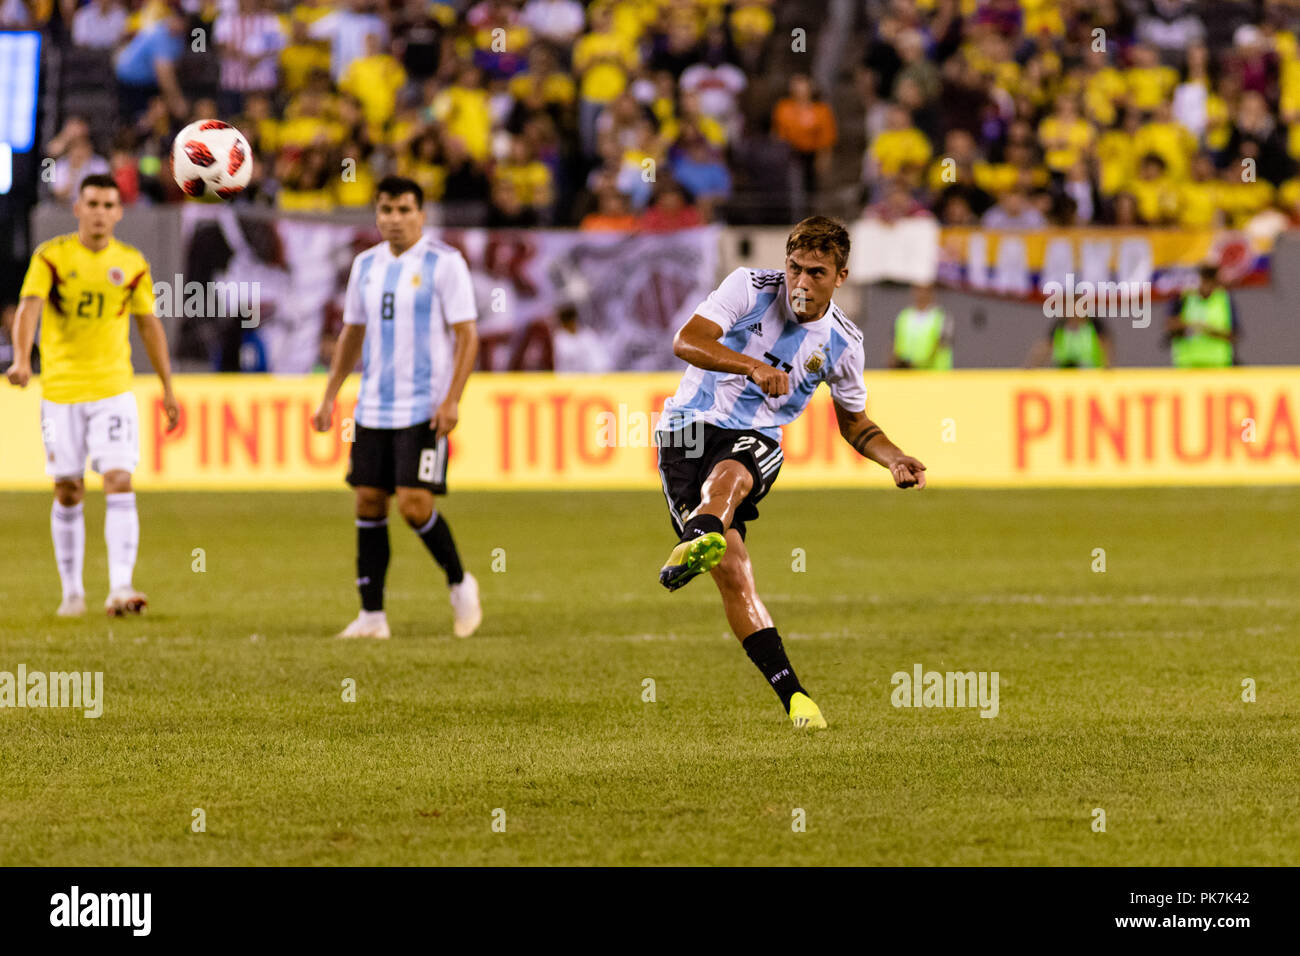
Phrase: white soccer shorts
pixel 107 431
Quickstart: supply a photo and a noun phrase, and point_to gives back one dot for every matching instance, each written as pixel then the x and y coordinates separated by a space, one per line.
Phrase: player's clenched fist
pixel 19 375
pixel 323 420
pixel 908 472
pixel 771 380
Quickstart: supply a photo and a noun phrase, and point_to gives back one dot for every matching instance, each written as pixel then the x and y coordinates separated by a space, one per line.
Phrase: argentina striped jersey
pixel 408 304
pixel 753 309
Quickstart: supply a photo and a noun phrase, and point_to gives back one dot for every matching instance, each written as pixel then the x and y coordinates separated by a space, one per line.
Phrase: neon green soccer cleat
pixel 691 558
pixel 804 713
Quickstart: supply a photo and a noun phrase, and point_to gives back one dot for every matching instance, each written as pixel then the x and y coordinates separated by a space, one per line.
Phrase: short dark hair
pixel 396 186
pixel 98 181
pixel 821 234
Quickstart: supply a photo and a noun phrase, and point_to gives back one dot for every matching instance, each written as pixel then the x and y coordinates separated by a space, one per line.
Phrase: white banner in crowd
pixel 631 290
pixel 902 251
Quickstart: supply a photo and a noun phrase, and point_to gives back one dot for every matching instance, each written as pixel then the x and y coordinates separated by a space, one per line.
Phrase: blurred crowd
pixel 1022 114
pixel 520 112
pixel 614 114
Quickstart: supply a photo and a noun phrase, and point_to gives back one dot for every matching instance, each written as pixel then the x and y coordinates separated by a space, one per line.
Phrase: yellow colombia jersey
pixel 85 328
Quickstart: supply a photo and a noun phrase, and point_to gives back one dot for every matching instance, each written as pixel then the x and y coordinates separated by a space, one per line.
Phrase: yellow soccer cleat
pixel 692 558
pixel 805 713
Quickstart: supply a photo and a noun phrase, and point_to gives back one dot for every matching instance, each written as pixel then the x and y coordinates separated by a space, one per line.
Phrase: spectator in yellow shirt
pixel 1156 193
pixel 603 59
pixel 1218 113
pixel 631 18
pixel 1168 139
pixel 356 185
pixel 1064 136
pixel 899 143
pixel 691 116
pixel 309 11
pixel 423 163
pixel 374 79
pixel 1199 203
pixel 543 85
pixel 1117 155
pixel 301 58
pixel 1288 195
pixel 1103 88
pixel 751 19
pixel 309 121
pixel 464 110
pixel 260 127
pixel 1149 83
pixel 530 178
pixel 1240 199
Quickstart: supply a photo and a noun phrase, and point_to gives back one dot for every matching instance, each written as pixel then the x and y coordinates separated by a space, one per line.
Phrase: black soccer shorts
pixel 684 468
pixel 389 458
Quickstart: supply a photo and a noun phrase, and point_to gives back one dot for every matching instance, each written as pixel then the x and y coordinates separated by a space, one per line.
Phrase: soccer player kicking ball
pixel 86 283
pixel 410 301
pixel 759 346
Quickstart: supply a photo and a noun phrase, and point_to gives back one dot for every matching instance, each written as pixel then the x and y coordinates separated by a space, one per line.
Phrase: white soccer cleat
pixel 123 601
pixel 73 606
pixel 368 624
pixel 465 606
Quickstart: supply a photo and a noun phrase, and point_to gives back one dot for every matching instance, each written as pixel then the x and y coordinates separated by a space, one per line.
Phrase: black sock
pixel 768 654
pixel 436 535
pixel 372 561
pixel 702 524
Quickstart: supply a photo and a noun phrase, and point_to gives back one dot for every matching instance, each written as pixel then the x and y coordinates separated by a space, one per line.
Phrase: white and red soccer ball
pixel 211 160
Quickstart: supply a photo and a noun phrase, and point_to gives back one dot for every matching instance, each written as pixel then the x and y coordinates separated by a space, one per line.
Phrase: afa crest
pixel 814 362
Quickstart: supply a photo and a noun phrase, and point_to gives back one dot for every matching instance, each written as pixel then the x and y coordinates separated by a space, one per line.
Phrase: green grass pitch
pixel 1119 690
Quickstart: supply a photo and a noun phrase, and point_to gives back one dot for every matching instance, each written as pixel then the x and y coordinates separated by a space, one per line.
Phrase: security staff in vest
pixel 1202 325
pixel 922 333
pixel 1074 342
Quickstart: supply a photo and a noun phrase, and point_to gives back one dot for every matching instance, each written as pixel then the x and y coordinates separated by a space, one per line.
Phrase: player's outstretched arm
pixel 25 321
pixel 347 351
pixel 466 354
pixel 154 338
pixel 697 342
pixel 869 441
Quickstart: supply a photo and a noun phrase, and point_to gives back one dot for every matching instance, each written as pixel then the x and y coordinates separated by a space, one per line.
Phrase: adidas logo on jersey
pixel 756 327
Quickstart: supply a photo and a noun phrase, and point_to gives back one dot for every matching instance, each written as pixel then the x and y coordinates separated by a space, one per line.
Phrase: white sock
pixel 122 535
pixel 68 529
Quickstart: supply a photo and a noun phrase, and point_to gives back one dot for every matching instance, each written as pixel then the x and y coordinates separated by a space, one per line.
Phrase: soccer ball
pixel 211 160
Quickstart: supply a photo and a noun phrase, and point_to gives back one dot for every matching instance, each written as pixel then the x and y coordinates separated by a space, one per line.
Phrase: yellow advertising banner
pixel 540 430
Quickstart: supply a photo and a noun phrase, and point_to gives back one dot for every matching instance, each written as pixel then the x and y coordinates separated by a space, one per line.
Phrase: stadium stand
pixel 545 112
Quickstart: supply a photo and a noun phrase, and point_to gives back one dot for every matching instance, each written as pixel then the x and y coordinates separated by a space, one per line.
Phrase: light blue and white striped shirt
pixel 408 304
pixel 753 309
